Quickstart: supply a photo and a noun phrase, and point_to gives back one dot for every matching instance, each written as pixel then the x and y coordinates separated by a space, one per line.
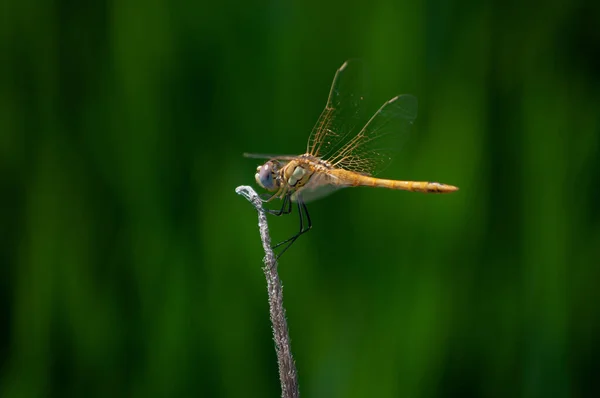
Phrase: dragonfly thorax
pixel 296 174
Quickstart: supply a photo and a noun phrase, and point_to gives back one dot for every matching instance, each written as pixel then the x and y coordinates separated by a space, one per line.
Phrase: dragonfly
pixel 340 155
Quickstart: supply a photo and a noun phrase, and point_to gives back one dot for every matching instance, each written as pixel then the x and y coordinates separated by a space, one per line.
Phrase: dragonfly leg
pixel 265 197
pixel 303 228
pixel 286 207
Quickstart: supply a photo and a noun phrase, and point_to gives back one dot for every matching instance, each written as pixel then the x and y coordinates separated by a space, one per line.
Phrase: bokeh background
pixel 130 268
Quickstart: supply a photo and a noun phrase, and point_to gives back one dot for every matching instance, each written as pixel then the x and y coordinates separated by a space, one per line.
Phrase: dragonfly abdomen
pixel 359 180
pixel 414 186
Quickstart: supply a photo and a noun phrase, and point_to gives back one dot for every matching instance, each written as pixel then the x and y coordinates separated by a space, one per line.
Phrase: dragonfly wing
pixel 373 147
pixel 319 186
pixel 342 112
pixel 268 156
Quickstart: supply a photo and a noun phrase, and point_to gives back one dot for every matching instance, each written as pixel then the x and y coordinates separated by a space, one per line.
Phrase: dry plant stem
pixel 287 368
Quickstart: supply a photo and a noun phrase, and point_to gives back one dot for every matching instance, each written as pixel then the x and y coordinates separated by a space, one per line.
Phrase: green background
pixel 130 268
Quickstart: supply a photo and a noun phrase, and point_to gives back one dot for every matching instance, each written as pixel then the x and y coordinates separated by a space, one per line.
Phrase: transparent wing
pixel 319 185
pixel 342 112
pixel 268 156
pixel 372 148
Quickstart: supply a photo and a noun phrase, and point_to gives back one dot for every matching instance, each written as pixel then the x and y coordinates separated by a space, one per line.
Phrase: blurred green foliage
pixel 131 269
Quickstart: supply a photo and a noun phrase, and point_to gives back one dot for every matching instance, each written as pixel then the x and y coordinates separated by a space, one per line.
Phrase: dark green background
pixel 130 268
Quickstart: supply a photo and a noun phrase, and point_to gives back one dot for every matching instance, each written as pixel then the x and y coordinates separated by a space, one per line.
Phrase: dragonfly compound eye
pixel 265 177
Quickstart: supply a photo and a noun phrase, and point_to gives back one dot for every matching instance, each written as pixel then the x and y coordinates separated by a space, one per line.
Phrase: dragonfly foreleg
pixel 265 197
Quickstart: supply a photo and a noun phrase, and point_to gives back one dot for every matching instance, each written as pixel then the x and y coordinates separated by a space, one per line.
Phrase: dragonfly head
pixel 267 175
